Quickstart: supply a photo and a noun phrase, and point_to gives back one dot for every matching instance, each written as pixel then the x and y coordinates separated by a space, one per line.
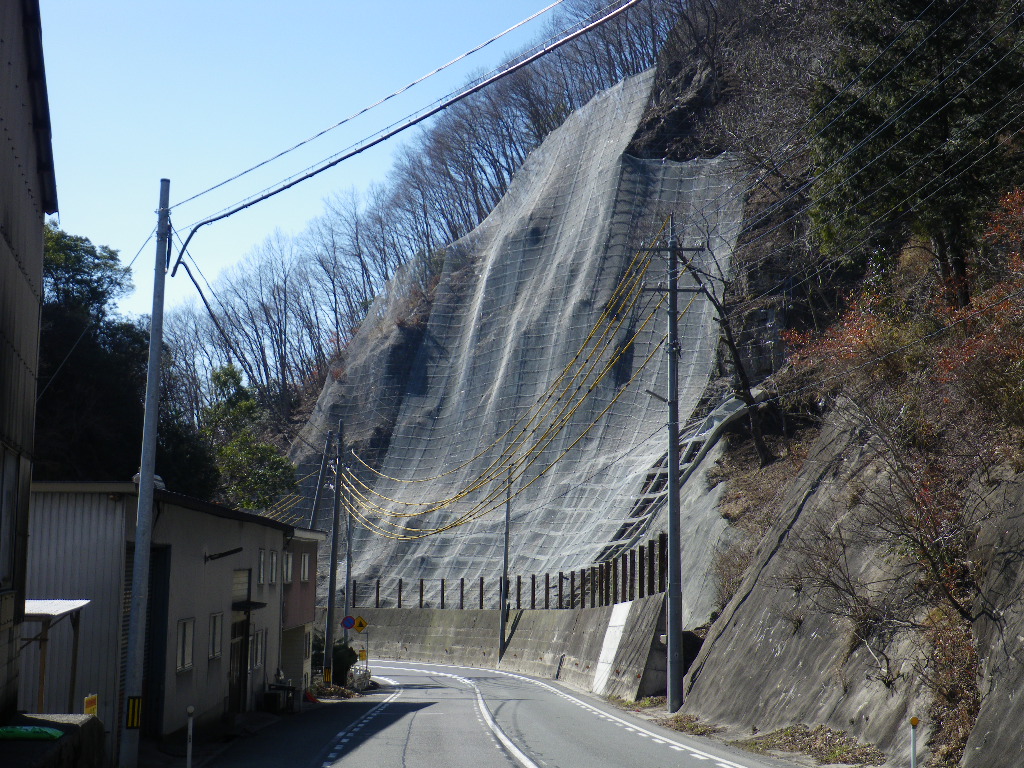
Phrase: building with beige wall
pixel 298 574
pixel 217 606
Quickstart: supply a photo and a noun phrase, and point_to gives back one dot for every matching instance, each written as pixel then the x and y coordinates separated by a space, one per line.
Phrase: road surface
pixel 440 716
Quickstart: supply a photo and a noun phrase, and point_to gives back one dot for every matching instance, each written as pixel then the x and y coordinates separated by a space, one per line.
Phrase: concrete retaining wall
pixel 611 651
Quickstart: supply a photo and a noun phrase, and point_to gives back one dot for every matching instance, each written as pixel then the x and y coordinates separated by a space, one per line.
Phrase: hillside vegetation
pixel 887 229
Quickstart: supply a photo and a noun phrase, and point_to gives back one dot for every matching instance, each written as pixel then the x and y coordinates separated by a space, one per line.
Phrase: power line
pixel 366 109
pixel 406 125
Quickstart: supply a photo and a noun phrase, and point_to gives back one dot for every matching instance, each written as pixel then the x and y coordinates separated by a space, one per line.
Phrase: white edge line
pixel 640 728
pixel 495 728
pixel 500 734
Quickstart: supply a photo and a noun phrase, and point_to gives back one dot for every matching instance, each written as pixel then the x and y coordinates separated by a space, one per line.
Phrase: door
pixel 238 658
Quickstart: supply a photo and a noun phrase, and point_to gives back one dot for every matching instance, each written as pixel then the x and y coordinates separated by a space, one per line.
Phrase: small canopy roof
pixel 37 610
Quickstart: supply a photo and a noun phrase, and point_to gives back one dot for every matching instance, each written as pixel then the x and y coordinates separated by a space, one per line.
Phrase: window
pixel 257 648
pixel 260 563
pixel 273 566
pixel 305 567
pixel 286 568
pixel 308 650
pixel 186 634
pixel 216 634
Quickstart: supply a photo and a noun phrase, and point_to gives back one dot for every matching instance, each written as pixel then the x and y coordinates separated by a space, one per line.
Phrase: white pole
pixel 503 614
pixel 128 754
pixel 332 589
pixel 188 750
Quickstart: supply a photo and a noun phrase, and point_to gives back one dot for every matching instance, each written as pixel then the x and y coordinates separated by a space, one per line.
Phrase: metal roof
pixel 176 499
pixel 37 610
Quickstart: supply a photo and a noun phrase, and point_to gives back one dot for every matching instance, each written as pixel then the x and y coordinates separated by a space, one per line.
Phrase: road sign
pixel 362 654
pixel 361 624
pixel 348 622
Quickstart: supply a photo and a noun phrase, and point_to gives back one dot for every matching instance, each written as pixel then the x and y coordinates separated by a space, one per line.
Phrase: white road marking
pixel 342 737
pixel 640 730
pixel 509 745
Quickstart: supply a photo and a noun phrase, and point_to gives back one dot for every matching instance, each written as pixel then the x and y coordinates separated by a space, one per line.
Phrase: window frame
pixel 273 566
pixel 304 571
pixel 261 562
pixel 287 566
pixel 216 643
pixel 257 648
pixel 185 638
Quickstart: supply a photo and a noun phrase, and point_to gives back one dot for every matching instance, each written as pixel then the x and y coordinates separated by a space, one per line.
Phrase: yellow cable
pixel 478 511
pixel 608 309
pixel 497 466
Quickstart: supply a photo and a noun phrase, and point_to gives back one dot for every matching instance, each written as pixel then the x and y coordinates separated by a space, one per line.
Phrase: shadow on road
pixel 302 741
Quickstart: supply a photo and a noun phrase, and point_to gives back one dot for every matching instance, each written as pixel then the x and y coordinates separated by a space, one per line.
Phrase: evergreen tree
pixel 92 378
pixel 921 143
pixel 253 473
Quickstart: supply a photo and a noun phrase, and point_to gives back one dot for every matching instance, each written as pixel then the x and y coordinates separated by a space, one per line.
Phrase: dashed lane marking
pixel 342 737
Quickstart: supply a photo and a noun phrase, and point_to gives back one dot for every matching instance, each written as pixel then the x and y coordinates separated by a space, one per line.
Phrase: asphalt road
pixel 439 716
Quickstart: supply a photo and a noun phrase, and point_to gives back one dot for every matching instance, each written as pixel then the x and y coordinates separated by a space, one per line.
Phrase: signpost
pixel 360 626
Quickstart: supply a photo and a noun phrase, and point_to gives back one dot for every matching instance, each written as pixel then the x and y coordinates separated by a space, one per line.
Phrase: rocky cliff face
pixel 780 655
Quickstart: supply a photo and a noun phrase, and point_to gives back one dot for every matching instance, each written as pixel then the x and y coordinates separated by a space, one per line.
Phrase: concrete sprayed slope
pixel 432 408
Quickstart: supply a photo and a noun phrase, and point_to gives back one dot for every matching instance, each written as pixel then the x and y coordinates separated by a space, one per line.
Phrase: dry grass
pixel 825 745
pixel 688 724
pixel 752 500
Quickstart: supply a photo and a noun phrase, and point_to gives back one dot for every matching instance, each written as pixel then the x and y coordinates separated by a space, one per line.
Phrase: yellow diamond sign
pixel 361 624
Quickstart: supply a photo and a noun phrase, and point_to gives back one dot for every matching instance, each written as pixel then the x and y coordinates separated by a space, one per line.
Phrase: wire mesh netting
pixel 518 365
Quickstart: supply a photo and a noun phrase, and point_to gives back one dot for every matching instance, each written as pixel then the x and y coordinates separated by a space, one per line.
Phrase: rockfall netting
pixel 526 355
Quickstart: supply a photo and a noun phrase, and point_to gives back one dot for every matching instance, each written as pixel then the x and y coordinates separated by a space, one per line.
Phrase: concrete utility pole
pixel 348 556
pixel 320 479
pixel 674 577
pixel 673 615
pixel 503 612
pixel 128 755
pixel 332 594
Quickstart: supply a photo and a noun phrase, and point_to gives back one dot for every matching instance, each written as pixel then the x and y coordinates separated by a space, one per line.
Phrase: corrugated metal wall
pixel 21 238
pixel 21 271
pixel 95 566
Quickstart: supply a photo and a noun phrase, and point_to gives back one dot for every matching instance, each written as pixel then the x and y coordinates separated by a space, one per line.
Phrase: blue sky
pixel 198 90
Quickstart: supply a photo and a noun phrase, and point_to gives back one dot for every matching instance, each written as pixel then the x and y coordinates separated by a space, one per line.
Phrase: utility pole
pixel 348 553
pixel 674 576
pixel 332 593
pixel 504 568
pixel 673 616
pixel 128 756
pixel 320 479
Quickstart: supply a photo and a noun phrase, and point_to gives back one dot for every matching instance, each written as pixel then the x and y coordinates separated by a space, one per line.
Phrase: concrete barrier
pixel 611 650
